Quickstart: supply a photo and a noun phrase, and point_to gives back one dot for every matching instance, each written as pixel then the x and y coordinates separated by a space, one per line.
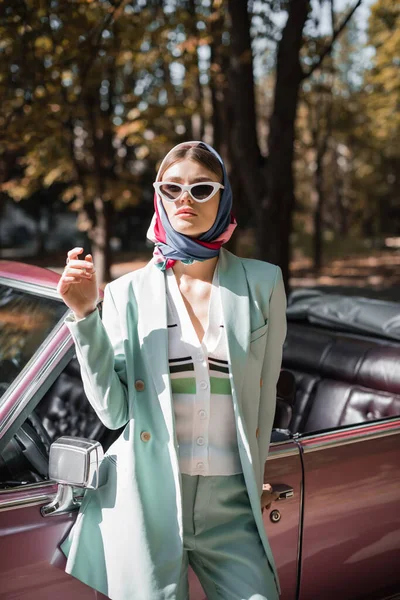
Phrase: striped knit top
pixel 201 389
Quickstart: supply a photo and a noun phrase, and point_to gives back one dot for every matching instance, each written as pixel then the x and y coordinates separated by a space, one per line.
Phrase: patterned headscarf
pixel 170 245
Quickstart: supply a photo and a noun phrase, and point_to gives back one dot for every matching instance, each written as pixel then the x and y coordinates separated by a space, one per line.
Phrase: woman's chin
pixel 187 229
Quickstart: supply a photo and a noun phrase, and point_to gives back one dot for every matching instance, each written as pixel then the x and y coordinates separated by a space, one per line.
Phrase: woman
pixel 186 357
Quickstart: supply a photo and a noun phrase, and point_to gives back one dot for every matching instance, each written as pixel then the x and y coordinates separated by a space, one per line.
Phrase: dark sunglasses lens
pixel 170 190
pixel 202 191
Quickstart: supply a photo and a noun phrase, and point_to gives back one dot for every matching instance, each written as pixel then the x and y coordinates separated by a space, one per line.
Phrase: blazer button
pixel 145 436
pixel 139 385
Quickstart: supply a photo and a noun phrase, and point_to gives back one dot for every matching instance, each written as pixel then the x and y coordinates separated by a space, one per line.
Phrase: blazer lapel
pixel 153 336
pixel 236 313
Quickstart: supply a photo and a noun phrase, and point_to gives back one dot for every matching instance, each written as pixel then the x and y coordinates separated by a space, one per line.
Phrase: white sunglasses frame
pixel 187 188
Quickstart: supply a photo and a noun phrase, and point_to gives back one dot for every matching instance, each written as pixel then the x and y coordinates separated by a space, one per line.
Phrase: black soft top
pixel 356 314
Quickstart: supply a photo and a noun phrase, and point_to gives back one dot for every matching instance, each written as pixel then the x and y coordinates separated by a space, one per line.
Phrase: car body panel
pixel 283 466
pixel 28 273
pixel 32 566
pixel 338 536
pixel 352 513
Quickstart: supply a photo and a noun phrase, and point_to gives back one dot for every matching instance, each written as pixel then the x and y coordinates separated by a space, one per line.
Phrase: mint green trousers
pixel 221 541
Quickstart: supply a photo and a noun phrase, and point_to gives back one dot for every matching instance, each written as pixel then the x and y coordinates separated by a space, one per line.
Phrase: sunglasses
pixel 200 192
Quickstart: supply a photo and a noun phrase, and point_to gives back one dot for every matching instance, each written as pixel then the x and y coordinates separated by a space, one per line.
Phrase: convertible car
pixel 334 455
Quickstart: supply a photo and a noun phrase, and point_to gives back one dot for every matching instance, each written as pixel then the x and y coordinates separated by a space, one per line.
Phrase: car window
pixel 63 410
pixel 26 319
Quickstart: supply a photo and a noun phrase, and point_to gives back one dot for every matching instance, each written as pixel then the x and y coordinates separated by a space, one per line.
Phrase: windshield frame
pixel 41 369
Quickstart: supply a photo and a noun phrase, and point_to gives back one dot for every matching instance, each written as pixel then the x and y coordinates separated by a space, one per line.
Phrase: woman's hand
pixel 268 496
pixel 78 284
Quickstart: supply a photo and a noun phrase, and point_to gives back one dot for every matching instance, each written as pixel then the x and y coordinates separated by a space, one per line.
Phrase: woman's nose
pixel 185 196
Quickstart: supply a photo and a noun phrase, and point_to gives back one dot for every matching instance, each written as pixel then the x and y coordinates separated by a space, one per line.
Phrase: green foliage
pixel 88 94
pixel 94 92
pixel 361 83
pixel 382 81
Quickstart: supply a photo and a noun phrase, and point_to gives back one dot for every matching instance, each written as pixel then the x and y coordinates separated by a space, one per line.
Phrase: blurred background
pixel 301 98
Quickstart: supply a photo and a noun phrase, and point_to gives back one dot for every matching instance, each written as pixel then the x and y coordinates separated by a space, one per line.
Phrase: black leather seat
pixel 285 399
pixel 341 378
pixel 65 410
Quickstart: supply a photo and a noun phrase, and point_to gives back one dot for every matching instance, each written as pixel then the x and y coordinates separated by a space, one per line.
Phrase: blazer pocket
pixel 259 332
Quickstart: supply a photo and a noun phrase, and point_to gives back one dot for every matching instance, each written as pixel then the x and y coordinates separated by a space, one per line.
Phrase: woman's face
pixel 186 215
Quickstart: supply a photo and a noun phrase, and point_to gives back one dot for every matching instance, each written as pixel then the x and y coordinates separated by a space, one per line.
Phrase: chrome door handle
pixel 285 491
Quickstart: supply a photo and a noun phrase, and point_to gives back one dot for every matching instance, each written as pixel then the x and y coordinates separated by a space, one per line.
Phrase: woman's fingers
pixel 86 265
pixel 70 272
pixel 74 253
pixel 71 280
pixel 80 264
pixel 268 496
pixel 80 273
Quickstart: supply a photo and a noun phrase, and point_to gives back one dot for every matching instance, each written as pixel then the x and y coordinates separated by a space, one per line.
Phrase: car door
pixel 34 350
pixel 32 566
pixel 40 387
pixel 282 521
pixel 283 470
pixel 351 532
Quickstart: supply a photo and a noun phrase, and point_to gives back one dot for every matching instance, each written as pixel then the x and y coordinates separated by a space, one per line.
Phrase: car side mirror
pixel 74 463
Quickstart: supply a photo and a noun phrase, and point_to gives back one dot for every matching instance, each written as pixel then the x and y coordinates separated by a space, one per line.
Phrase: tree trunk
pixel 275 213
pixel 40 239
pixel 43 226
pixel 104 164
pixel 100 238
pixel 321 130
pixel 243 140
pixel 222 115
pixel 318 213
pixel 338 191
pixel 219 64
pixel 197 117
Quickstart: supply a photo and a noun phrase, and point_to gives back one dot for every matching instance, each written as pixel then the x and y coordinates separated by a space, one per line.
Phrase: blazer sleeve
pixel 100 351
pixel 277 328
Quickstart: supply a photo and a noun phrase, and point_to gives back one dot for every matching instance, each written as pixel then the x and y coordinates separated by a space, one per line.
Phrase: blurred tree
pixel 381 103
pixel 324 98
pixel 293 67
pixel 243 132
pixel 65 79
pixel 96 91
pixel 268 186
pixel 320 113
pixel 88 101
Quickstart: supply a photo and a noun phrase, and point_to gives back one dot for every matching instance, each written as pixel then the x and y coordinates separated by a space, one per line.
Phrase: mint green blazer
pixel 127 538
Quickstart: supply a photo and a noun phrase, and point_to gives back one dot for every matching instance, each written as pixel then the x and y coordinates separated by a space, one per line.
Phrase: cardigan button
pixel 145 436
pixel 139 385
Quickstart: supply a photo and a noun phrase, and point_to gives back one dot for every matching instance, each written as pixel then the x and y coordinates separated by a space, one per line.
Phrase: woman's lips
pixel 186 215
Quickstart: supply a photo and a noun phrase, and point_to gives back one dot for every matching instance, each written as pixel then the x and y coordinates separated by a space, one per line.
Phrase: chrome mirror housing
pixel 73 462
